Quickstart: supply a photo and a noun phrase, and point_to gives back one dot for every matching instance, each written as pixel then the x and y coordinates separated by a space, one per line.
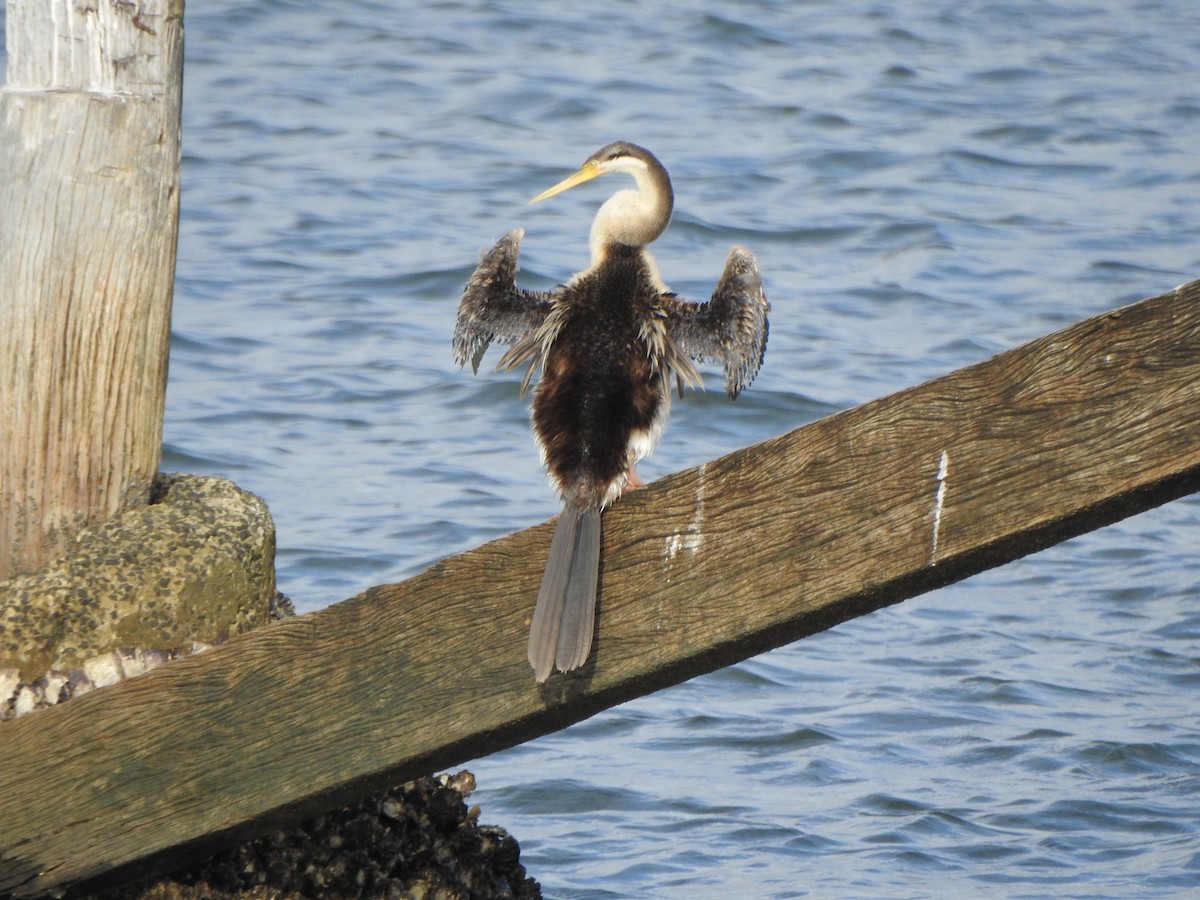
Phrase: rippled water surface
pixel 925 184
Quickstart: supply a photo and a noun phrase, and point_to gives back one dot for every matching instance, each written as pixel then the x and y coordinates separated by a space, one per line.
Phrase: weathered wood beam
pixel 89 207
pixel 706 567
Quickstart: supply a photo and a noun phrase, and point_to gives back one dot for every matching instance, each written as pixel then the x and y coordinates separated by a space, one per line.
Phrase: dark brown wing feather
pixel 493 308
pixel 731 328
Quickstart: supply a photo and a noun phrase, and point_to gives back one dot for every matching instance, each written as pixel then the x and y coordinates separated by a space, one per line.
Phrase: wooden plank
pixel 89 133
pixel 701 569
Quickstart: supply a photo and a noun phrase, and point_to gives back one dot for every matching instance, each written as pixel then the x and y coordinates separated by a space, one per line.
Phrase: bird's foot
pixel 633 480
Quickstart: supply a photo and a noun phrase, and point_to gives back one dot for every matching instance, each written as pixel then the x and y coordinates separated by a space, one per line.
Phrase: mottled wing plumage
pixel 493 308
pixel 731 328
pixel 529 348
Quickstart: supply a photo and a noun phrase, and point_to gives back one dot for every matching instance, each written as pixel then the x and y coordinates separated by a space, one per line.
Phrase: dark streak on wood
pixel 141 25
pixel 701 569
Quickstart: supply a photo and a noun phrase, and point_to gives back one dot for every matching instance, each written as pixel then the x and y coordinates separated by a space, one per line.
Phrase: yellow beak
pixel 587 172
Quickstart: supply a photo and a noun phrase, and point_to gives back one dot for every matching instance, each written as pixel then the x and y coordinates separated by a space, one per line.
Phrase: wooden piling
pixel 701 569
pixel 89 205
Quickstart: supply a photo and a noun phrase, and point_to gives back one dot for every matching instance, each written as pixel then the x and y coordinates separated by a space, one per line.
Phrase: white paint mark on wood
pixel 939 502
pixel 692 539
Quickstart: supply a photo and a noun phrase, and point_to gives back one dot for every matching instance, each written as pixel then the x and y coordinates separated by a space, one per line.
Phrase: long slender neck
pixel 634 217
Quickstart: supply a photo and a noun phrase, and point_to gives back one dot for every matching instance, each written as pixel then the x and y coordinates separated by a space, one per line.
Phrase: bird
pixel 607 344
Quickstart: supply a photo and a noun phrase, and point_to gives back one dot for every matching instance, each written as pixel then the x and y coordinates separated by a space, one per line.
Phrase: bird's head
pixel 633 217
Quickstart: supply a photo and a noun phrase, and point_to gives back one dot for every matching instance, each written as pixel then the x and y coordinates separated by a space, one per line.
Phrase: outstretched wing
pixel 731 328
pixel 492 307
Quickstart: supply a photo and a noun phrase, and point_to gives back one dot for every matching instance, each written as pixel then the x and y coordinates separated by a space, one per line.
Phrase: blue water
pixel 925 184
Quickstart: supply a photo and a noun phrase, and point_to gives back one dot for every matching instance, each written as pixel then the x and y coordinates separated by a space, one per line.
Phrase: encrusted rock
pixel 190 569
pixel 417 840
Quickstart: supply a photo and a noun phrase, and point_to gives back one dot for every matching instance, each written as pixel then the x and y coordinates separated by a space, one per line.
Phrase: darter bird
pixel 607 344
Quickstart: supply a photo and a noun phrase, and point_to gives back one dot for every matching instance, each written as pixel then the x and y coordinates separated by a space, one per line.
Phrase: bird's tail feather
pixel 563 620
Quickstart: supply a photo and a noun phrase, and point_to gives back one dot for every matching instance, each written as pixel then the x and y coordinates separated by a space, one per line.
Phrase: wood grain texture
pixel 89 205
pixel 701 569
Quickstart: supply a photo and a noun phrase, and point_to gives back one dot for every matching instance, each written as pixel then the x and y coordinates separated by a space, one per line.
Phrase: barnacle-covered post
pixel 89 208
